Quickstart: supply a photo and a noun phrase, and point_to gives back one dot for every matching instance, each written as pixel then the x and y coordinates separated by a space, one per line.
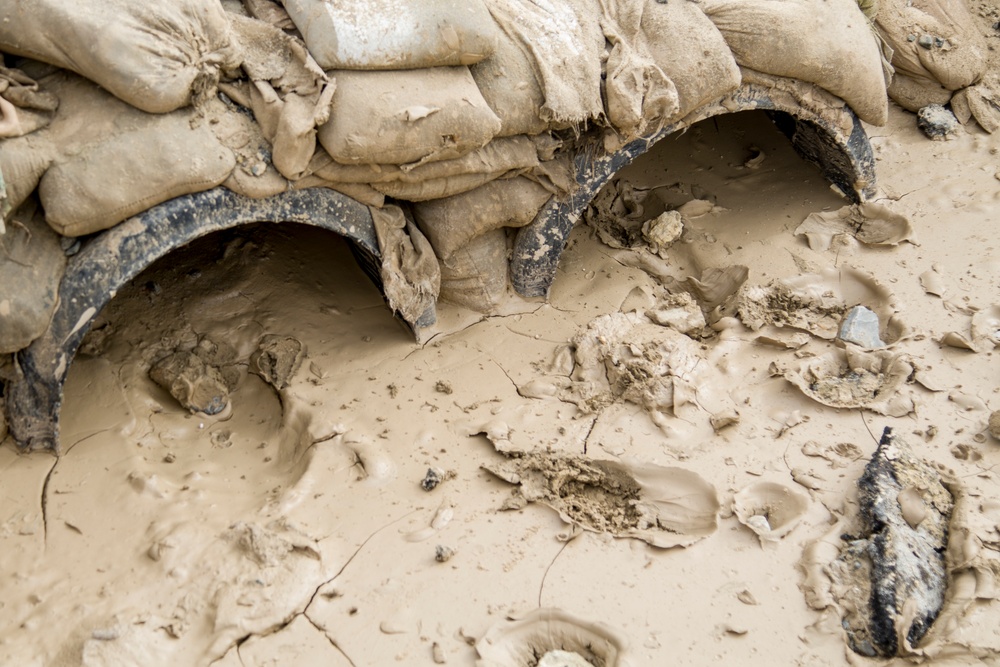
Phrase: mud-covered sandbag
pixel 22 162
pixel 394 34
pixel 411 277
pixel 936 47
pixel 701 64
pixel 153 55
pixel 563 43
pixel 475 276
pixel 826 42
pixel 31 267
pixel 109 160
pixel 451 223
pixel 24 106
pixel 406 116
pixel 127 174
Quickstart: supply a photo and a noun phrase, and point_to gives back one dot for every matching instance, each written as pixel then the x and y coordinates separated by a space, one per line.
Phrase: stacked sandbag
pixel 937 49
pixel 829 43
pixel 30 270
pixel 153 55
pixel 393 34
pixel 467 234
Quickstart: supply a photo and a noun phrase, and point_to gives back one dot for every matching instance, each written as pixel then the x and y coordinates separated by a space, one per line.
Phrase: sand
pixel 293 527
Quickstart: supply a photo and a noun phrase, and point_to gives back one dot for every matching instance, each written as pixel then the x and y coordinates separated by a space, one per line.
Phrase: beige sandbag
pixel 436 188
pixel 936 44
pixel 566 46
pixel 639 97
pixel 411 277
pixel 475 276
pixel 22 162
pixel 500 155
pixel 451 223
pixel 826 42
pixel 393 34
pixel 699 62
pixel 153 55
pixel 407 116
pixel 31 267
pixel 133 171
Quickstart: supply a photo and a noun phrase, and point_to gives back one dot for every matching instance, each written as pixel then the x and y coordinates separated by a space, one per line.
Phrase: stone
pixel 861 327
pixel 937 122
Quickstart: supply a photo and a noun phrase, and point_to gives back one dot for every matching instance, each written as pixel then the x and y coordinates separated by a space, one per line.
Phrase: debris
pixel 769 509
pixel 893 573
pixel 433 477
pixel 937 122
pixel 276 359
pixel 443 554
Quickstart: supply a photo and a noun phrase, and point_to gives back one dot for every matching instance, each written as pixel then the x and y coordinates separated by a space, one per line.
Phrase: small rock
pixel 431 479
pixel 860 327
pixel 443 554
pixel 994 424
pixel 926 41
pixel 937 122
pixel 663 230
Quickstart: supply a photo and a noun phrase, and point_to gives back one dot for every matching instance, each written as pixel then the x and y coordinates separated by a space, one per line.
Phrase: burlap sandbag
pixel 31 267
pixel 826 42
pixel 451 223
pixel 936 48
pixel 110 160
pixel 475 276
pixel 691 51
pixel 394 34
pixel 153 55
pixel 565 45
pixel 407 116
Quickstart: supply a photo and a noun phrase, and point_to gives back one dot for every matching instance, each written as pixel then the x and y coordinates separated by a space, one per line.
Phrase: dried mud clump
pixel 892 577
pixel 276 359
pixel 666 507
pixel 200 377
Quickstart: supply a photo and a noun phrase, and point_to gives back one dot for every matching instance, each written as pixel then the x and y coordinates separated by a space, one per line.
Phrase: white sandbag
pixel 826 42
pixel 566 46
pixel 394 34
pixel 153 55
pixel 475 276
pixel 31 268
pixel 451 223
pixel 691 51
pixel 936 47
pixel 407 116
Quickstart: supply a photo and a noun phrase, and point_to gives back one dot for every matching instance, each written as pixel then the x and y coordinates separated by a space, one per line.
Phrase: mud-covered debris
pixel 666 507
pixel 937 122
pixel 679 312
pixel 661 232
pixel 868 222
pixel 893 575
pixel 276 359
pixel 860 327
pixel 443 553
pixel 994 424
pixel 197 385
pixel 433 477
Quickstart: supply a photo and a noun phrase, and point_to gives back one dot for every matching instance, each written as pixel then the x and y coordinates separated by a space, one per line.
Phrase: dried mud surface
pixel 292 526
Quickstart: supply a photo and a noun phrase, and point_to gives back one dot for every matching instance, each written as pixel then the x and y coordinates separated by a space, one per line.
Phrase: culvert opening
pixel 238 305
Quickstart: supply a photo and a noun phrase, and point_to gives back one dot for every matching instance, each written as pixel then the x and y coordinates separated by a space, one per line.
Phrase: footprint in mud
pixel 552 638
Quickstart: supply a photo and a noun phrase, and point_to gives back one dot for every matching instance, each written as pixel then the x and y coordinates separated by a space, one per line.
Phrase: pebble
pixel 937 122
pixel 860 327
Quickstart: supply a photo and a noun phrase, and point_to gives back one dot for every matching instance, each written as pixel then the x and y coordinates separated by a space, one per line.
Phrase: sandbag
pixel 565 44
pixel 936 47
pixel 411 277
pixel 451 223
pixel 407 116
pixel 31 266
pixel 639 97
pixel 826 42
pixel 153 55
pixel 131 172
pixel 22 162
pixel 394 34
pixel 691 51
pixel 475 276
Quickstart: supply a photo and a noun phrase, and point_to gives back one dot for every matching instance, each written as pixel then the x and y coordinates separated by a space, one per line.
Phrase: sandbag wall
pixel 462 113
